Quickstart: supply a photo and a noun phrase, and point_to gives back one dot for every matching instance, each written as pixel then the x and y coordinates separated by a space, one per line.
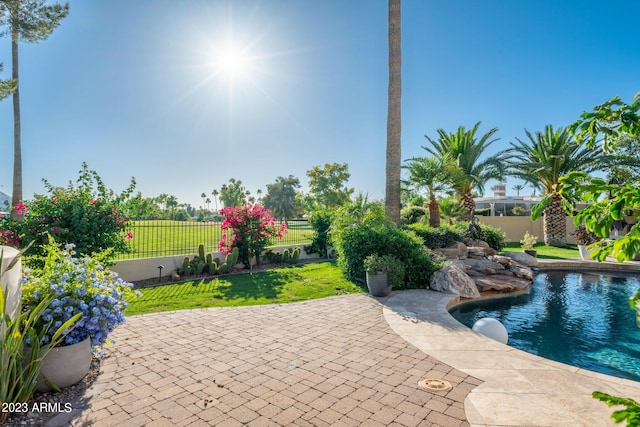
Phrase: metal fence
pixel 155 238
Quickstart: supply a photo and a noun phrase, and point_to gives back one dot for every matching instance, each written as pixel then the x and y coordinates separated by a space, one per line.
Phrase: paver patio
pixel 333 361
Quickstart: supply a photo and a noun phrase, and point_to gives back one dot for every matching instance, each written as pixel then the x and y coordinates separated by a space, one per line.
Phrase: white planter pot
pixel 64 366
pixel 584 253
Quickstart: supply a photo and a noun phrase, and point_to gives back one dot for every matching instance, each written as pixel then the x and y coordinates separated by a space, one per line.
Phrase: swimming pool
pixel 581 319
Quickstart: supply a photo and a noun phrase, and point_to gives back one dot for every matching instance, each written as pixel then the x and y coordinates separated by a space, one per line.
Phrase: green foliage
pixel 281 197
pixel 358 242
pixel 233 194
pixel 466 150
pixel 358 212
pixel 528 241
pixel 19 363
pixel 518 211
pixel 611 119
pixel 494 237
pixel 631 413
pixel 327 186
pixel 437 237
pixel 413 214
pixel 388 264
pixel 606 203
pixel 321 223
pixel 86 214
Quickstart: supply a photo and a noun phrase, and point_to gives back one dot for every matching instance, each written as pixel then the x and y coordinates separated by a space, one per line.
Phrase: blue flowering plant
pixel 79 285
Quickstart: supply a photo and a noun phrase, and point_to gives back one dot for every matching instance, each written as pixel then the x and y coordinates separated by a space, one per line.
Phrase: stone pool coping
pixel 518 389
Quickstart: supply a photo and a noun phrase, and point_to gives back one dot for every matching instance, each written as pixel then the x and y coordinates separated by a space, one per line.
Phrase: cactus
pixel 232 259
pixel 186 266
pixel 295 255
pixel 286 256
pixel 224 268
pixel 201 252
pixel 199 267
pixel 188 270
pixel 208 265
pixel 213 269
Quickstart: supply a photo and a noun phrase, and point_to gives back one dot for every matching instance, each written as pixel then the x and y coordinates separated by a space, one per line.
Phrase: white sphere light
pixel 491 328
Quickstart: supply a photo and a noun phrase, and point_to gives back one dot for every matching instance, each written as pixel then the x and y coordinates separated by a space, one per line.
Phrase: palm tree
pixel 434 174
pixel 215 193
pixel 542 160
pixel 30 21
pixel 392 188
pixel 518 188
pixel 466 150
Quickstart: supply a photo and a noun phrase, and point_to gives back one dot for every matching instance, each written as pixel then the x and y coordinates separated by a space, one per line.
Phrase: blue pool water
pixel 581 319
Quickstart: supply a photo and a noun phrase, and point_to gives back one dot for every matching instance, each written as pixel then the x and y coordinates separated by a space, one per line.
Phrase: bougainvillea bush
pixel 250 228
pixel 86 214
pixel 79 285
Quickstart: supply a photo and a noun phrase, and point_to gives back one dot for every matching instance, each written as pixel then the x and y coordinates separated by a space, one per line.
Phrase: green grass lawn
pixel 163 237
pixel 547 252
pixel 282 285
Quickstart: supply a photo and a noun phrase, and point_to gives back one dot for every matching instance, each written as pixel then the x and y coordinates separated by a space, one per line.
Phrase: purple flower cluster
pixel 79 285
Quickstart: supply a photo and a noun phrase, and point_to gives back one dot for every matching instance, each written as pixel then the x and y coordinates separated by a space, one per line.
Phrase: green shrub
pixel 356 243
pixel 86 214
pixel 413 214
pixel 494 237
pixel 437 237
pixel 321 223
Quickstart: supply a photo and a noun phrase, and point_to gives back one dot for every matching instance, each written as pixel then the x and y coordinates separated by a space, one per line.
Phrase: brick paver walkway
pixel 333 361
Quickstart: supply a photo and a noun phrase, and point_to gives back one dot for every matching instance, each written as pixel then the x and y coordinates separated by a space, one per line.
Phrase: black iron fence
pixel 155 238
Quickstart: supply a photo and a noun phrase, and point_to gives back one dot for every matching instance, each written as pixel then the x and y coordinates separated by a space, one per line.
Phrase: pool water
pixel 581 319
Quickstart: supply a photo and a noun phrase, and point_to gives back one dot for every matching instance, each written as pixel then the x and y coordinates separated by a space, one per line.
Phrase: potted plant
pixel 78 286
pixel 383 273
pixel 584 238
pixel 527 243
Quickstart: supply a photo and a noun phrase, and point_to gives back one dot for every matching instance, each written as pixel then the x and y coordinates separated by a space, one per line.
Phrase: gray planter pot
pixel 378 284
pixel 64 366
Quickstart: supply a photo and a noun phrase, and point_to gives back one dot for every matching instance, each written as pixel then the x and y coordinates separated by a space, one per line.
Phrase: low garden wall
pixel 514 227
pixel 146 268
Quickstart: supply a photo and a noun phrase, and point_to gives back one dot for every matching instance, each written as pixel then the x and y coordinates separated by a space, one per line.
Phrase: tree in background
pixel 544 158
pixel 518 188
pixel 327 186
pixel 435 174
pixel 233 194
pixel 281 197
pixel 394 117
pixel 30 21
pixel 466 150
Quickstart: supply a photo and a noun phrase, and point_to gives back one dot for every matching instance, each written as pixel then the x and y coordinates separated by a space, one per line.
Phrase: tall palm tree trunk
pixel 554 223
pixel 434 211
pixel 392 189
pixel 469 206
pixel 16 192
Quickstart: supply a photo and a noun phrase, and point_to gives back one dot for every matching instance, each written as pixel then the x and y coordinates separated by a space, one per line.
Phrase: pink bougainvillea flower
pixel 130 234
pixel 21 208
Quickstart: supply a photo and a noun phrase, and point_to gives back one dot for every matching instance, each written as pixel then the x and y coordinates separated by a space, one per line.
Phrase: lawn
pixel 282 285
pixel 547 252
pixel 163 237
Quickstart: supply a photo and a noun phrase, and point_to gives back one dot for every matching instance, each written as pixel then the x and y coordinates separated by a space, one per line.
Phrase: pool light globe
pixel 491 328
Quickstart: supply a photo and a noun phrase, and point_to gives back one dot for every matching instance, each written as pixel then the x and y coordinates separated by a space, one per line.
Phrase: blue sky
pixel 137 88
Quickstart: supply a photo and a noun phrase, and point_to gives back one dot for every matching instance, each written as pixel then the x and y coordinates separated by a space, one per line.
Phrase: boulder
pixel 501 283
pixel 454 280
pixel 455 251
pixel 522 258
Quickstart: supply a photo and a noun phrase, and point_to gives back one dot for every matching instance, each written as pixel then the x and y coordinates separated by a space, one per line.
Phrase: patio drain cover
pixel 435 384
